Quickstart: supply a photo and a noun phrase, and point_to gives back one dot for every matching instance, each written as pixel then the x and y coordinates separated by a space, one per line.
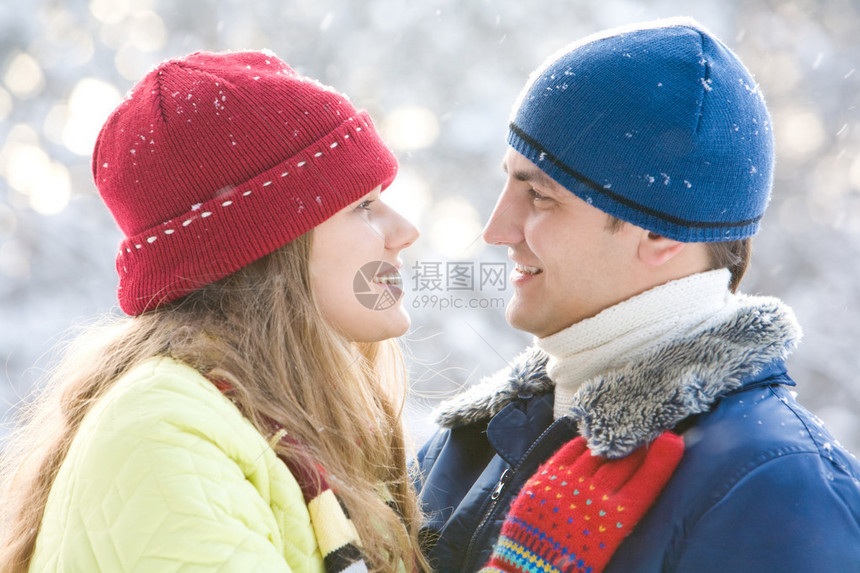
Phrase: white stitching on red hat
pixel 227 203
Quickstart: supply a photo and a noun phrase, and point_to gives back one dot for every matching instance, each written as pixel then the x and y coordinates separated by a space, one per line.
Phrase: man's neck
pixel 624 331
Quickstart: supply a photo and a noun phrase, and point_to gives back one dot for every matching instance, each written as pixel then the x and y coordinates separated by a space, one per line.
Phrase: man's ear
pixel 656 250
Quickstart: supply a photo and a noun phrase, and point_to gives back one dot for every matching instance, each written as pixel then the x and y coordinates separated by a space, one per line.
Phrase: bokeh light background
pixel 439 76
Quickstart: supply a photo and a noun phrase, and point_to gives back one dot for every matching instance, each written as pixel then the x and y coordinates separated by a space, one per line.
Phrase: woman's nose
pixel 403 234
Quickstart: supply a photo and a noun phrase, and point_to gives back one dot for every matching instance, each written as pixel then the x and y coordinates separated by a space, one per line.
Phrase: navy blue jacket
pixel 762 485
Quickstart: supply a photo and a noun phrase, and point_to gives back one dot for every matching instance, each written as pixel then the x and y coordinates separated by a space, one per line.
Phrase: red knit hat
pixel 217 159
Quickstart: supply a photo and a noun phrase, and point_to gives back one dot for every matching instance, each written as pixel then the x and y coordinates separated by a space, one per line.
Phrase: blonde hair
pixel 259 330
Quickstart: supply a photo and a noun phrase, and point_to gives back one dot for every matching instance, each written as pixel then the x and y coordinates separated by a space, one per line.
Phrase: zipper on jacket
pixel 501 485
pixel 494 498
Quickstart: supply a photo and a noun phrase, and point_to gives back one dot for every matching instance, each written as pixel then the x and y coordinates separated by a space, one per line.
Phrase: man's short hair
pixel 733 255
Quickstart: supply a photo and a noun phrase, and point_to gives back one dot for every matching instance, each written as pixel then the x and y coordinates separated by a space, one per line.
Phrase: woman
pixel 246 417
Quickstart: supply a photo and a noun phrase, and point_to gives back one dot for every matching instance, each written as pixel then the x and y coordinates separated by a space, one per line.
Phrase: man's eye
pixel 535 196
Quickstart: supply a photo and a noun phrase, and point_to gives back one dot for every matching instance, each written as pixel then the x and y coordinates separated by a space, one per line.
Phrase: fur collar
pixel 624 408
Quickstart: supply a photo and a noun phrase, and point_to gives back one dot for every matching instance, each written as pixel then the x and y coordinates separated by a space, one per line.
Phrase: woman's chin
pixel 382 325
pixel 397 323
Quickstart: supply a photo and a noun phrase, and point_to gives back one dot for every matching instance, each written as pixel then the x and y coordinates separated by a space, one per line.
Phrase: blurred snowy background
pixel 439 76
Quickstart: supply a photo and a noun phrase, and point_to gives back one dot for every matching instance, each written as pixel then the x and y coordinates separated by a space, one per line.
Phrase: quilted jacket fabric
pixel 166 475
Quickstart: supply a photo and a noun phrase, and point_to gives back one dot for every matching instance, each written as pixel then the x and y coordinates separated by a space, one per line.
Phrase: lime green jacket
pixel 166 475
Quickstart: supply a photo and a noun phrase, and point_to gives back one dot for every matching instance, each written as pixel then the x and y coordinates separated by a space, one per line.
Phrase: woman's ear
pixel 656 250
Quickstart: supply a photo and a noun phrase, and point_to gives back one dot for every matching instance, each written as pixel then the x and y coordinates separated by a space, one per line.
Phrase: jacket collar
pixel 626 407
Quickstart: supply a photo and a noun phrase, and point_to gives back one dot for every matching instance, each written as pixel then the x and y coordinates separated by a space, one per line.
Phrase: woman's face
pixel 354 269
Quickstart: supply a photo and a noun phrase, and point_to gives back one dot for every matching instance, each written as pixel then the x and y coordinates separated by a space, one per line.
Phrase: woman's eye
pixel 365 204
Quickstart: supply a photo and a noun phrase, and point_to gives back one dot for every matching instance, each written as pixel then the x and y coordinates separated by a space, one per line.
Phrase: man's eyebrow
pixel 535 176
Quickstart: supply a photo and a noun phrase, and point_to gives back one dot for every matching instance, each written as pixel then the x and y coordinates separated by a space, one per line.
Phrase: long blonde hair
pixel 259 330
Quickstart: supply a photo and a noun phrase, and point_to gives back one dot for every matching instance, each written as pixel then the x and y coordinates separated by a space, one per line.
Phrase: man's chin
pixel 521 318
pixel 536 320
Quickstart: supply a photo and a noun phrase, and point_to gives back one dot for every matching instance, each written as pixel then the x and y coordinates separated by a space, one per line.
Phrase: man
pixel 640 163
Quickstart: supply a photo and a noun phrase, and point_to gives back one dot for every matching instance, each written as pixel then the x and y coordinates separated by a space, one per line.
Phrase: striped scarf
pixel 334 530
pixel 335 533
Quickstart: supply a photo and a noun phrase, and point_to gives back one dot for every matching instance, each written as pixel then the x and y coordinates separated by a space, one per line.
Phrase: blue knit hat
pixel 659 125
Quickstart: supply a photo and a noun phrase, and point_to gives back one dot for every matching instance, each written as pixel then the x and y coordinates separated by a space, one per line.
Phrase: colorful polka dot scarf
pixel 575 511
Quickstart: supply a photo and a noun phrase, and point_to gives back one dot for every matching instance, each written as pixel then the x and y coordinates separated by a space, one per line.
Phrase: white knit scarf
pixel 624 331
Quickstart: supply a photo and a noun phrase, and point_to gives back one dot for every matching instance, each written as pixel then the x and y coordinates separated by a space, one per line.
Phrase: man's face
pixel 568 265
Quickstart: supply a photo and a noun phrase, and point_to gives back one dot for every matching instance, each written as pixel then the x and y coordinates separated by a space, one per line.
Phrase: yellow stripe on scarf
pixel 333 529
